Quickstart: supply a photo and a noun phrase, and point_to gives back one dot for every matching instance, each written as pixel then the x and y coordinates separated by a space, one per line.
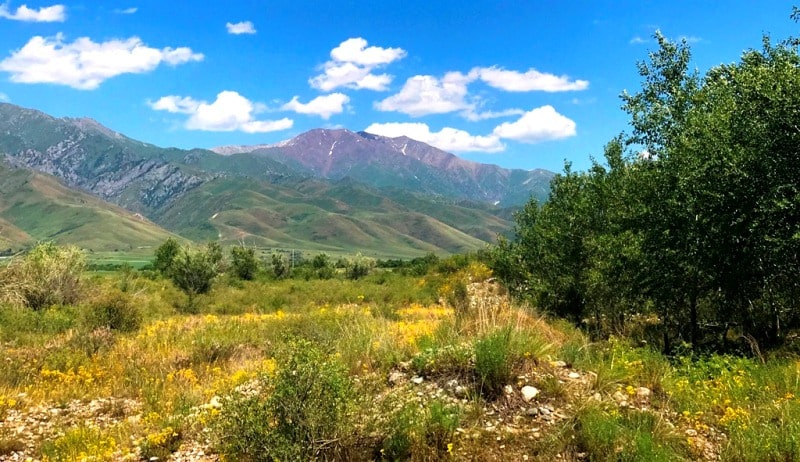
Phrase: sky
pixel 520 84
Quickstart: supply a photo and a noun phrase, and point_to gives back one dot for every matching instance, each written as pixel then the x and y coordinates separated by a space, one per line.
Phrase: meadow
pixel 425 362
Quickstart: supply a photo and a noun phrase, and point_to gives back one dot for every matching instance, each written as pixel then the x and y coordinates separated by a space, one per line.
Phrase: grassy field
pixel 434 366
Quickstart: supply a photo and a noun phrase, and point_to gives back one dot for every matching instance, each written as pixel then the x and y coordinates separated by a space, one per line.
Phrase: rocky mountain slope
pixel 38 207
pixel 401 162
pixel 325 190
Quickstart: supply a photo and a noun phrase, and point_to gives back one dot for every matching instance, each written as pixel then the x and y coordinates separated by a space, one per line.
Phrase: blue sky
pixel 521 84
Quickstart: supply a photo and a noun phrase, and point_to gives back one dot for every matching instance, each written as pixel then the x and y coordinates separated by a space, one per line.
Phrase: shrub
pixel 494 360
pixel 280 266
pixel 165 255
pixel 244 263
pixel 47 275
pixel 302 417
pixel 193 271
pixel 114 310
pixel 323 268
pixel 359 266
pixel 441 423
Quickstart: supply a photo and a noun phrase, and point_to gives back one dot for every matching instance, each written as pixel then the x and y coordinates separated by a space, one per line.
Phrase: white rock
pixel 417 380
pixel 574 375
pixel 508 390
pixel 529 392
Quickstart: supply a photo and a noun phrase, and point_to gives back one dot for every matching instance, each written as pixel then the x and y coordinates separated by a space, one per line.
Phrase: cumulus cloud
pixel 540 124
pixel 84 64
pixel 244 27
pixel 229 112
pixel 4 98
pixel 352 64
pixel 532 80
pixel 537 125
pixel 54 13
pixel 447 139
pixel 130 10
pixel 323 106
pixel 426 94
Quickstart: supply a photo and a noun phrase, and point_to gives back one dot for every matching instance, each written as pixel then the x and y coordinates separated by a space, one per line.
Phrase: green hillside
pixel 37 207
pixel 318 216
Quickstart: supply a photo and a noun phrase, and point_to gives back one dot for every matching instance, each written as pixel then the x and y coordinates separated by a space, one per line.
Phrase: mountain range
pixel 324 190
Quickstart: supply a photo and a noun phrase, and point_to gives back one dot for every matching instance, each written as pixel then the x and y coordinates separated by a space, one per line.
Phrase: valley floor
pixel 393 367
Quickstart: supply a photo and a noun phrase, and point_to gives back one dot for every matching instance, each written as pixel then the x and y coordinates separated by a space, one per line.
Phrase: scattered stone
pixel 643 393
pixel 532 411
pixel 460 392
pixel 529 392
pixel 417 380
pixel 396 377
pixel 574 375
pixel 691 432
pixel 558 364
pixel 508 390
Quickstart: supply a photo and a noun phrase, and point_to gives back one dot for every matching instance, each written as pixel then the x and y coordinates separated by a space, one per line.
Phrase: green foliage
pixel 281 268
pixel 494 361
pixel 47 275
pixel 116 310
pixel 359 266
pixel 165 256
pixel 698 229
pixel 244 263
pixel 323 267
pixel 193 271
pixel 629 436
pixel 300 418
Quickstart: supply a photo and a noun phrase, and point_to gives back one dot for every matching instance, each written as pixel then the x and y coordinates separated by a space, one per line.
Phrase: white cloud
pixel 425 94
pixel 4 98
pixel 473 116
pixel 352 64
pixel 323 106
pixel 84 64
pixel 130 10
pixel 356 51
pixel 540 124
pixel 229 112
pixel 447 139
pixel 637 40
pixel 532 80
pixel 244 27
pixel 54 13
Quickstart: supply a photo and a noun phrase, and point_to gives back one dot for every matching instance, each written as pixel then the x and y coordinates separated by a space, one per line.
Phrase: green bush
pixel 494 360
pixel 116 310
pixel 280 266
pixel 244 264
pixel 441 423
pixel 359 266
pixel 193 271
pixel 302 417
pixel 47 275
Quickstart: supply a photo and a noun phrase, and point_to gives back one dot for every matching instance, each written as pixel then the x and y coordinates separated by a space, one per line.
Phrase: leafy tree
pixel 165 254
pixel 322 266
pixel 359 266
pixel 280 266
pixel 193 270
pixel 244 263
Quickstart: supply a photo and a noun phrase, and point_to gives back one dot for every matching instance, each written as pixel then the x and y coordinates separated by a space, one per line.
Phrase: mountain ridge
pixel 277 195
